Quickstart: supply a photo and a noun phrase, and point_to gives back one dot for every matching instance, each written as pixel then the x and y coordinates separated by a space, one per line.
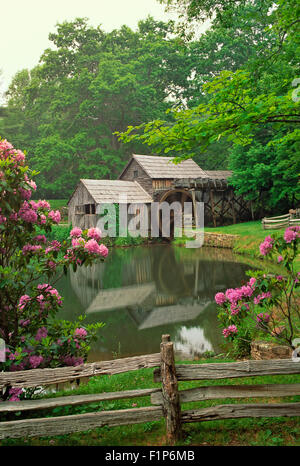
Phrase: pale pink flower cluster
pixel 80 333
pixel 93 247
pixel 94 233
pixel 46 288
pixel 78 242
pixel 54 246
pixel 31 248
pixel 7 150
pixel 266 246
pixel 232 329
pixel 40 239
pixel 291 234
pixel 25 193
pixel 42 204
pixel 220 298
pixel 35 361
pixel 76 232
pixel 55 216
pixel 261 297
pixel 23 301
pixel 28 214
pixel 14 393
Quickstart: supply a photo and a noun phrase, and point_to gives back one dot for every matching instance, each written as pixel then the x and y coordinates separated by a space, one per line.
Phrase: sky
pixel 26 24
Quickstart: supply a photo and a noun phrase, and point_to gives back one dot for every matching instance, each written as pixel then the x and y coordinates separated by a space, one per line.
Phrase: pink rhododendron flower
pixel 76 232
pixel 15 393
pixel 24 323
pixel 35 361
pixel 25 193
pixel 40 238
pixel 80 332
pixel 252 281
pixel 78 242
pixel 41 204
pixel 229 331
pixel 51 265
pixel 234 309
pixel 55 216
pixel 220 298
pixel 27 214
pixel 92 246
pixel 262 296
pixel 72 360
pixel 30 248
pixel 279 259
pixel 94 233
pixel 266 246
pixel 32 184
pixel 103 250
pixel 23 301
pixel 289 235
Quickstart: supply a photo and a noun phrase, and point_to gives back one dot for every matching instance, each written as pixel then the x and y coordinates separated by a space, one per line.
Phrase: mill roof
pixel 109 191
pixel 218 174
pixel 163 167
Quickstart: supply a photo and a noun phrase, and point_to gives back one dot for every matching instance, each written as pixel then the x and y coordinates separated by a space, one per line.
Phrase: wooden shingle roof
pixel 218 174
pixel 109 191
pixel 158 167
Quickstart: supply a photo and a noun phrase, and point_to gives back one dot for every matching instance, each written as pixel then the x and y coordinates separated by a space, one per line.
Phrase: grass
pixel 264 431
pixel 58 203
pixel 250 235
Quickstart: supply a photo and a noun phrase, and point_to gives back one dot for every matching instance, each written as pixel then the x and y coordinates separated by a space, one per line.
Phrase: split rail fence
pixel 166 399
pixel 282 221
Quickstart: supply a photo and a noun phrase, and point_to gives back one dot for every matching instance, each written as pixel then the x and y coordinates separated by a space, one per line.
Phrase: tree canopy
pixel 226 98
pixel 67 109
pixel 250 105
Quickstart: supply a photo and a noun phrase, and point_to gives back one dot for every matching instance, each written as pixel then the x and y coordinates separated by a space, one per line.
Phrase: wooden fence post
pixel 171 403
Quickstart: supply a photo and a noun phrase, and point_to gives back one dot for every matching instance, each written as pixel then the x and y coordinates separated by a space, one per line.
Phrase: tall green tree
pixel 251 108
pixel 66 111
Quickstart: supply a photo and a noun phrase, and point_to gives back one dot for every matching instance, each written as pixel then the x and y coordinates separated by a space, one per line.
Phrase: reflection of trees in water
pixel 155 290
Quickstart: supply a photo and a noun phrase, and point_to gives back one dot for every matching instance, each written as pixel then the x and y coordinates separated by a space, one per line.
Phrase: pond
pixel 143 292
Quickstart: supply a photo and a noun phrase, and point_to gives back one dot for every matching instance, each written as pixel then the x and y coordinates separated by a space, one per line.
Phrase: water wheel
pixel 167 223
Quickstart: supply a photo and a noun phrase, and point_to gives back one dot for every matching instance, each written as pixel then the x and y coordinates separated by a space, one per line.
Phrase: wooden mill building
pixel 148 178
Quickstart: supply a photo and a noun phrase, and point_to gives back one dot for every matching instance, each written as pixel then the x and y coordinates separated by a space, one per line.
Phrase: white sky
pixel 26 24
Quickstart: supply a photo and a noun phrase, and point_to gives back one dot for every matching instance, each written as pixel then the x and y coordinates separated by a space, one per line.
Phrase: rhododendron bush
pixel 29 267
pixel 268 304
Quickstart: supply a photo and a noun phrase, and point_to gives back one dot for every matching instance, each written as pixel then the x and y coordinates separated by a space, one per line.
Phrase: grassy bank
pixel 250 235
pixel 265 431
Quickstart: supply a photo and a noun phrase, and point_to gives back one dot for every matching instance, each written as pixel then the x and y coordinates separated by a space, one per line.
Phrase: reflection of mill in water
pixel 157 289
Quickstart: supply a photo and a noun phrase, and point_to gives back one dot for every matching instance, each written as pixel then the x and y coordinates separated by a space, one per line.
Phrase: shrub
pixel 30 264
pixel 267 305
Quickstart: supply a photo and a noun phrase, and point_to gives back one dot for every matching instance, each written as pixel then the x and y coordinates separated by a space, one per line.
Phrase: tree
pixel 67 109
pixel 267 305
pixel 249 108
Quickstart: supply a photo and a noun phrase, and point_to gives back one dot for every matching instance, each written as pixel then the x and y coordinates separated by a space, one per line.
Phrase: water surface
pixel 143 292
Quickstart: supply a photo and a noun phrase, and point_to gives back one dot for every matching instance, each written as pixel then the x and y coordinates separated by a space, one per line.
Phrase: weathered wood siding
pixel 81 196
pixel 143 179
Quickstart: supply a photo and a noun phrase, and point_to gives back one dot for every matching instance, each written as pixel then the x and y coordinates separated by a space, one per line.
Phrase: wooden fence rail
pixel 36 377
pixel 282 221
pixel 166 399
